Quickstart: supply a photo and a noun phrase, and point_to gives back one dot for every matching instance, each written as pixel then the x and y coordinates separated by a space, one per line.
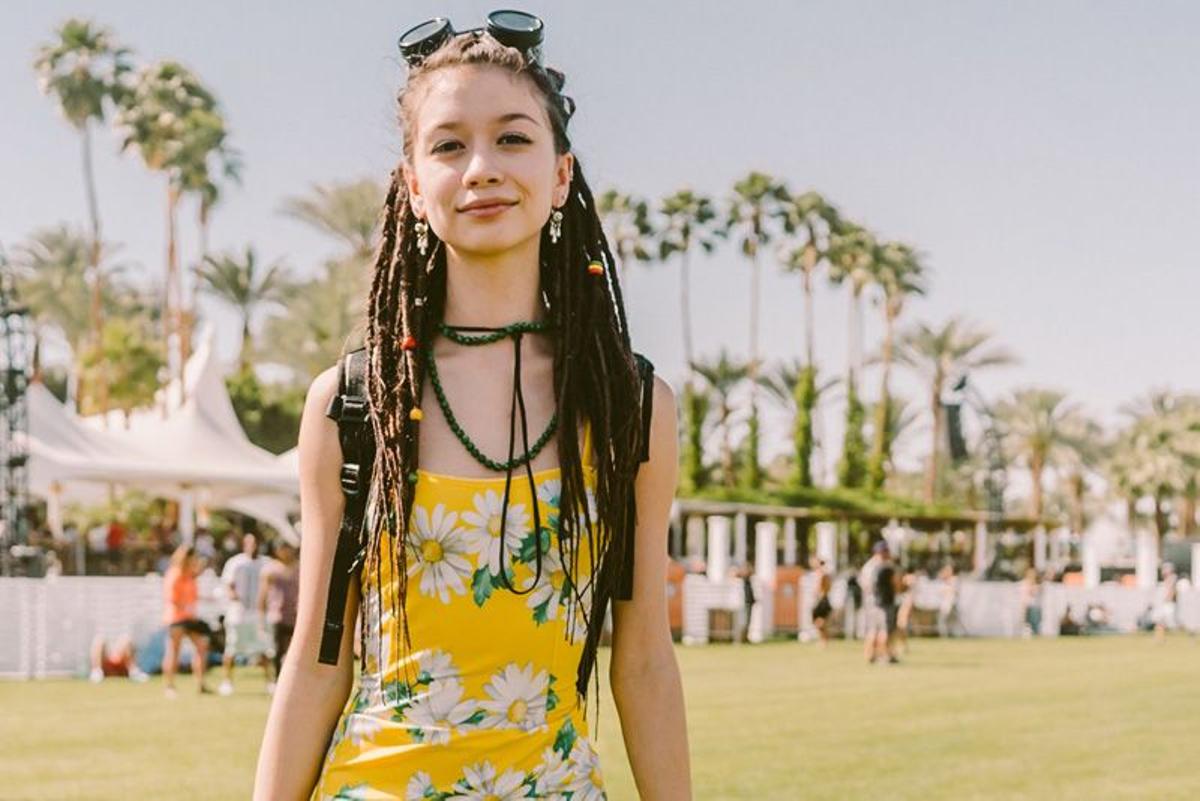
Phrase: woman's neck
pixel 493 290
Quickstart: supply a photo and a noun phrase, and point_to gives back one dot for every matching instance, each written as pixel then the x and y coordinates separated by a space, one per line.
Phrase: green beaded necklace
pixel 454 334
pixel 516 331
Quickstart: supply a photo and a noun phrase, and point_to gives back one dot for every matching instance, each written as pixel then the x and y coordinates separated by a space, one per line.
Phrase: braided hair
pixel 595 375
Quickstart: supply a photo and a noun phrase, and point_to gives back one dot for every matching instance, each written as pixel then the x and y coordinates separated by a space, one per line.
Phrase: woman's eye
pixel 443 147
pixel 518 138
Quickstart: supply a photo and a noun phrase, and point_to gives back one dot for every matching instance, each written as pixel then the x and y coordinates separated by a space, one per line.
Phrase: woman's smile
pixel 490 210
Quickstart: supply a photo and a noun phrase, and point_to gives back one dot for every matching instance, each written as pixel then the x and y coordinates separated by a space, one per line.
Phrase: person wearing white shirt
pixel 240 579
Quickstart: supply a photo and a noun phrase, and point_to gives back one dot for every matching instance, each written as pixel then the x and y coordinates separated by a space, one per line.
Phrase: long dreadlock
pixel 595 376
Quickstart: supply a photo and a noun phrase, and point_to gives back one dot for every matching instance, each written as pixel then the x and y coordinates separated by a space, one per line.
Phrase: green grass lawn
pixel 1078 718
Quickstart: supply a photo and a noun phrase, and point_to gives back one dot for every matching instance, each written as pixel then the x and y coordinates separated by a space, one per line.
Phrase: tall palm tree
pixel 84 69
pixel 627 221
pixel 900 274
pixel 688 219
pixel 753 208
pixel 852 261
pixel 808 221
pixel 1036 424
pixel 246 285
pixel 174 123
pixel 1158 453
pixel 723 377
pixel 940 354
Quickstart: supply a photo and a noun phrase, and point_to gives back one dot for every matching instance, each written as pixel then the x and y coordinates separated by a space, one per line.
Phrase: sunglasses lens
pixel 516 21
pixel 423 39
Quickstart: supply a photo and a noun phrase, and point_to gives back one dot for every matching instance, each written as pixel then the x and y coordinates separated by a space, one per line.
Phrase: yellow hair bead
pixel 415 415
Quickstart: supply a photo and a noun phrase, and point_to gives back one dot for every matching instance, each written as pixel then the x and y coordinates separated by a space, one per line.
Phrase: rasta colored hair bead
pixel 415 415
pixel 595 268
pixel 409 343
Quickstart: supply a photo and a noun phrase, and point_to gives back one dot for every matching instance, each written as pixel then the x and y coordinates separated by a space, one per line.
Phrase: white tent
pixel 197 453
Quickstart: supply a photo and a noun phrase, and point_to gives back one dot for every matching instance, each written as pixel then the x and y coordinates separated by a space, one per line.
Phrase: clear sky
pixel 1044 156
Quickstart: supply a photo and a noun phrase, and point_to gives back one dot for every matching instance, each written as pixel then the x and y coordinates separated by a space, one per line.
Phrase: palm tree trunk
pixel 96 312
pixel 1036 467
pixel 245 352
pixel 882 445
pixel 809 305
pixel 1076 488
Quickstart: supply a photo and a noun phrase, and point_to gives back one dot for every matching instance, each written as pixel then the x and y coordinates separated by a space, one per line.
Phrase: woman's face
pixel 481 134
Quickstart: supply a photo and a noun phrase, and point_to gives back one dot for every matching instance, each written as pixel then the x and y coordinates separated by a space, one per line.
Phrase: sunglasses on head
pixel 511 28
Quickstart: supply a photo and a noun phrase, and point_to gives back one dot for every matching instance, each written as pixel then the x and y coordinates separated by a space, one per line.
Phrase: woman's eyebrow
pixel 451 125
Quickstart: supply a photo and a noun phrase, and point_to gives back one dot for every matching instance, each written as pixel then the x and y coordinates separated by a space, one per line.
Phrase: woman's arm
pixel 309 696
pixel 644 675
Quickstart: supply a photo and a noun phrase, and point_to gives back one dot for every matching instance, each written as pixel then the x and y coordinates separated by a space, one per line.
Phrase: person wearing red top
pixel 179 613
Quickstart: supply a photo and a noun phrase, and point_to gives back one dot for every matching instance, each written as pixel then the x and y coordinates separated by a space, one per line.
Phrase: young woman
pixel 179 613
pixel 495 325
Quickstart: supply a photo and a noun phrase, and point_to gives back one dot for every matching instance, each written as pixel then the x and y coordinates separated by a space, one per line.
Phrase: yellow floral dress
pixel 484 707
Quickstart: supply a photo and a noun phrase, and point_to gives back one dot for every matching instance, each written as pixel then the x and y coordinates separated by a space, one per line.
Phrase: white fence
pixel 47 624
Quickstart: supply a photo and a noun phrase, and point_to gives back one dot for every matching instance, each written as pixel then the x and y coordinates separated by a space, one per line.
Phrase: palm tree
pixel 627 219
pixel 84 70
pixel 756 200
pixel 174 123
pixel 785 385
pixel 51 270
pixel 853 261
pixel 808 221
pixel 688 219
pixel 246 285
pixel 1158 454
pixel 1035 424
pixel 321 315
pixel 723 377
pixel 900 274
pixel 348 211
pixel 940 354
pixel 1083 449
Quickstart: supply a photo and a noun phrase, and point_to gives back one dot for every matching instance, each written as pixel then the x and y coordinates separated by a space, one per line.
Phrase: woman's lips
pixel 488 211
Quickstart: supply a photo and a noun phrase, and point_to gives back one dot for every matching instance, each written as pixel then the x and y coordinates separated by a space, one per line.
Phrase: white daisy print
pixel 433 664
pixel 516 699
pixel 440 553
pixel 549 587
pixel 438 710
pixel 587 784
pixel 553 775
pixel 483 528
pixel 361 727
pixel 419 786
pixel 480 783
pixel 550 492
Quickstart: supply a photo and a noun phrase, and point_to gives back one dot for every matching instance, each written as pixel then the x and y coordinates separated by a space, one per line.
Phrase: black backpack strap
pixel 624 589
pixel 350 410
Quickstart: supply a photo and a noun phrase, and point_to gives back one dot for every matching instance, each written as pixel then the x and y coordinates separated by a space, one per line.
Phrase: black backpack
pixel 349 409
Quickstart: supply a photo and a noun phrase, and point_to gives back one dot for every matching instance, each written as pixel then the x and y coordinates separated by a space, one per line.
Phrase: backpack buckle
pixel 354 408
pixel 349 479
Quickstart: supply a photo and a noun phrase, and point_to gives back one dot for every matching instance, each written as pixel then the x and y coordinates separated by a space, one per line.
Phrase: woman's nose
pixel 481 172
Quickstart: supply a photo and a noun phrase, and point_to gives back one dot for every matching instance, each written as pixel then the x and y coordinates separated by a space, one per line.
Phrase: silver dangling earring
pixel 422 229
pixel 555 225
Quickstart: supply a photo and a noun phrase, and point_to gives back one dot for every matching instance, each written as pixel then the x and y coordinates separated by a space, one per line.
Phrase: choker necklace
pixel 479 335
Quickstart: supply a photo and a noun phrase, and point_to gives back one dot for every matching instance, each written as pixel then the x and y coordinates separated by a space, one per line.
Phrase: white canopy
pixel 198 447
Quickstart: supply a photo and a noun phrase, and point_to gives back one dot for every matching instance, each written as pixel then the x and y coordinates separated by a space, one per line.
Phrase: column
pixel 789 541
pixel 739 538
pixel 718 548
pixel 766 538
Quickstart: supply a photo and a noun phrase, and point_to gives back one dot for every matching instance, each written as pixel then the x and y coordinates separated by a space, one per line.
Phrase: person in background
pixel 279 586
pixel 1165 597
pixel 821 608
pixel 1031 603
pixel 749 598
pixel 905 604
pixel 878 581
pixel 240 578
pixel 118 660
pixel 179 613
pixel 947 617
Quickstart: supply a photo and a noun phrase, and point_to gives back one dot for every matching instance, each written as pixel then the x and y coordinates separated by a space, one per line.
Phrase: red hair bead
pixel 409 343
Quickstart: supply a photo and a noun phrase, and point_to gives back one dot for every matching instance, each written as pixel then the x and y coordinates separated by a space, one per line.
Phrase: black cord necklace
pixel 462 335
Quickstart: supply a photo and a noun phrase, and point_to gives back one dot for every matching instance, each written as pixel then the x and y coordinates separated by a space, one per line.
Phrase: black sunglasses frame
pixel 527 39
